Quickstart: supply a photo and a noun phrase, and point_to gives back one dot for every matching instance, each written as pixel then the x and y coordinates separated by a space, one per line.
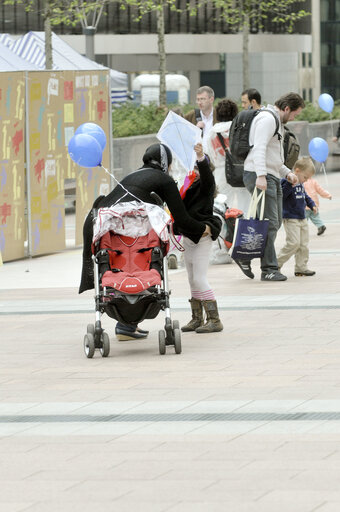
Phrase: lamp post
pixel 89 33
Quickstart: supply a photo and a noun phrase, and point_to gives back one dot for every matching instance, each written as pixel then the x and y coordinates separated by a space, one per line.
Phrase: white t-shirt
pixel 208 123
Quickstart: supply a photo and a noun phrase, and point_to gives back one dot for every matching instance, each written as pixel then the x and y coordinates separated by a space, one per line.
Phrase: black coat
pixel 140 183
pixel 199 201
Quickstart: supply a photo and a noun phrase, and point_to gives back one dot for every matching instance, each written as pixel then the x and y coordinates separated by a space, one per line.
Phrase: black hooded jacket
pixel 199 201
pixel 140 183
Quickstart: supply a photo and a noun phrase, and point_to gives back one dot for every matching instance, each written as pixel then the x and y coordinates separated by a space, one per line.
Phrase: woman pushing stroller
pixel 151 177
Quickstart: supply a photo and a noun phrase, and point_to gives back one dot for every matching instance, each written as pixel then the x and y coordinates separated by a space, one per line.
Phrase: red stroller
pixel 130 244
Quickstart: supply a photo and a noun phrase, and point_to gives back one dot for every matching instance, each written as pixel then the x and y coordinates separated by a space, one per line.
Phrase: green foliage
pixel 131 119
pixel 70 12
pixel 238 13
pixel 313 113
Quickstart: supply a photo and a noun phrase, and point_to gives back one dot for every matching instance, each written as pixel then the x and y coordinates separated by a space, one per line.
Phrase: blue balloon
pixel 326 102
pixel 85 150
pixel 93 129
pixel 318 149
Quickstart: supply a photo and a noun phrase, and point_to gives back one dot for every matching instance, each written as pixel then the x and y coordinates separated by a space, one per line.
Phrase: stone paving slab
pixel 243 420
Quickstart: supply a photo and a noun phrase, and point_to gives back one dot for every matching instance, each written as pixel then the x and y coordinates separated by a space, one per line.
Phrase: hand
pixel 315 209
pixel 199 150
pixel 207 231
pixel 200 124
pixel 261 182
pixel 334 139
pixel 292 178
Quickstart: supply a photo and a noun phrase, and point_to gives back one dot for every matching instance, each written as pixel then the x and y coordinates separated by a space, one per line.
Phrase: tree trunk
pixel 245 52
pixel 161 53
pixel 48 36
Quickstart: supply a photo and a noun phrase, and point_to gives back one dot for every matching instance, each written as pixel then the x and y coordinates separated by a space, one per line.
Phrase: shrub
pixel 313 114
pixel 131 119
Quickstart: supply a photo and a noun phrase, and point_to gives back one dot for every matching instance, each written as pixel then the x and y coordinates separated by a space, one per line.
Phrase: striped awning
pixel 31 48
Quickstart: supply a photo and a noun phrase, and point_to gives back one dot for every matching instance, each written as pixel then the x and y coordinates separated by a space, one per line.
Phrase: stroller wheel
pixel 175 324
pixel 161 341
pixel 177 341
pixel 90 329
pixel 105 341
pixel 89 346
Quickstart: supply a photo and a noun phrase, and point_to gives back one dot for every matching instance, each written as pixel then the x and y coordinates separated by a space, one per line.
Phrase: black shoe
pixel 142 331
pixel 321 230
pixel 305 273
pixel 273 276
pixel 125 334
pixel 245 267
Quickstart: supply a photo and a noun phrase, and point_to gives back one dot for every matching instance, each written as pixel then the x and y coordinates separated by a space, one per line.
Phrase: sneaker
pixel 305 273
pixel 321 230
pixel 245 267
pixel 273 276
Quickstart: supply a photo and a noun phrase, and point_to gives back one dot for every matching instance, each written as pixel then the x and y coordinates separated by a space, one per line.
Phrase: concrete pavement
pixel 243 420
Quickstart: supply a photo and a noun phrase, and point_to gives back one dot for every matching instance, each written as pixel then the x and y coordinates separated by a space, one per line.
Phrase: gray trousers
pixel 272 212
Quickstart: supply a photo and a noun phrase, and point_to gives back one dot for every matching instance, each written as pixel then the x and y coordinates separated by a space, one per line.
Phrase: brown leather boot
pixel 197 316
pixel 213 323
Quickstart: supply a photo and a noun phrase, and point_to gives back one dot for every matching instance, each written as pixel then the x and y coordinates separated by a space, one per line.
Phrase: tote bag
pixel 250 233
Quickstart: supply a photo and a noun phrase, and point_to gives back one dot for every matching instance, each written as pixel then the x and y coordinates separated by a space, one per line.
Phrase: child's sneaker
pixel 321 230
pixel 305 273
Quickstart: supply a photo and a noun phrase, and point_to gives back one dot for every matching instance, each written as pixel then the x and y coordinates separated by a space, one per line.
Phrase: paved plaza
pixel 245 420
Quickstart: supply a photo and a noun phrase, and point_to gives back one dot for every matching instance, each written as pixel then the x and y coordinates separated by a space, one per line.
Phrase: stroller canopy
pixel 132 219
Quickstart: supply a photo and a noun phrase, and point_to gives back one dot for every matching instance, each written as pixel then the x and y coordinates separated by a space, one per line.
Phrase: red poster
pixel 68 90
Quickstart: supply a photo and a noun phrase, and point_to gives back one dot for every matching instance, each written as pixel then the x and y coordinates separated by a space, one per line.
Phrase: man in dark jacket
pixel 204 116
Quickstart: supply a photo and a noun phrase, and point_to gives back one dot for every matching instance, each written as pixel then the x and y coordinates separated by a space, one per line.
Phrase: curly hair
pixel 226 110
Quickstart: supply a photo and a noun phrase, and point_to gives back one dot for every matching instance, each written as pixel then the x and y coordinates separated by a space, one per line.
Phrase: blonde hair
pixel 305 164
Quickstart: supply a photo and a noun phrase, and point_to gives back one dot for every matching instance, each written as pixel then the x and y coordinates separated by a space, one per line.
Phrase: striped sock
pixel 207 295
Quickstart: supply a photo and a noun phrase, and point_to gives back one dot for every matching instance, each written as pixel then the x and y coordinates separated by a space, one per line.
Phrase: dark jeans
pixel 126 327
pixel 272 212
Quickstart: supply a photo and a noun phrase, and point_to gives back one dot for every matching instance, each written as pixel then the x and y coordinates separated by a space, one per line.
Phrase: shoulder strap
pixel 219 135
pixel 277 124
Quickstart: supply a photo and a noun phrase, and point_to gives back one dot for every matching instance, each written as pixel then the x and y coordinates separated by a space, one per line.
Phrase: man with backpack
pixel 251 98
pixel 204 116
pixel 264 167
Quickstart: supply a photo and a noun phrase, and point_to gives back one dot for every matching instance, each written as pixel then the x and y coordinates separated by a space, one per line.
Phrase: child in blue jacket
pixel 294 203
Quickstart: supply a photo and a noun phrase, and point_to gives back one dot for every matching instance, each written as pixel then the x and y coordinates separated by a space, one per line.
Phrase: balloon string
pixel 323 168
pixel 127 192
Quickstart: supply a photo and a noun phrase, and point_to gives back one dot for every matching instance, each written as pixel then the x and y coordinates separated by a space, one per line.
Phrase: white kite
pixel 180 136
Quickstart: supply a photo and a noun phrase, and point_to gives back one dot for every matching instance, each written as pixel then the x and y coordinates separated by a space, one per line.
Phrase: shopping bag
pixel 250 233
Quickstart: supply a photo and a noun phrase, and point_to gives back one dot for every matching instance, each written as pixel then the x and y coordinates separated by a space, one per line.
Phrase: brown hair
pixel 291 100
pixel 226 110
pixel 304 164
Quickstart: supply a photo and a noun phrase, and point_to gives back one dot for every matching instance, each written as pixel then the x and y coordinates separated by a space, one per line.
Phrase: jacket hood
pixel 221 127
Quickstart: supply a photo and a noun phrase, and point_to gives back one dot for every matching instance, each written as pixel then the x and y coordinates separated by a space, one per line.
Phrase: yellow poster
pixel 12 166
pixel 68 113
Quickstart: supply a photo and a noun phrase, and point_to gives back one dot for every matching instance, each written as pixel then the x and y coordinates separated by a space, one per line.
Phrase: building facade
pixel 207 49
